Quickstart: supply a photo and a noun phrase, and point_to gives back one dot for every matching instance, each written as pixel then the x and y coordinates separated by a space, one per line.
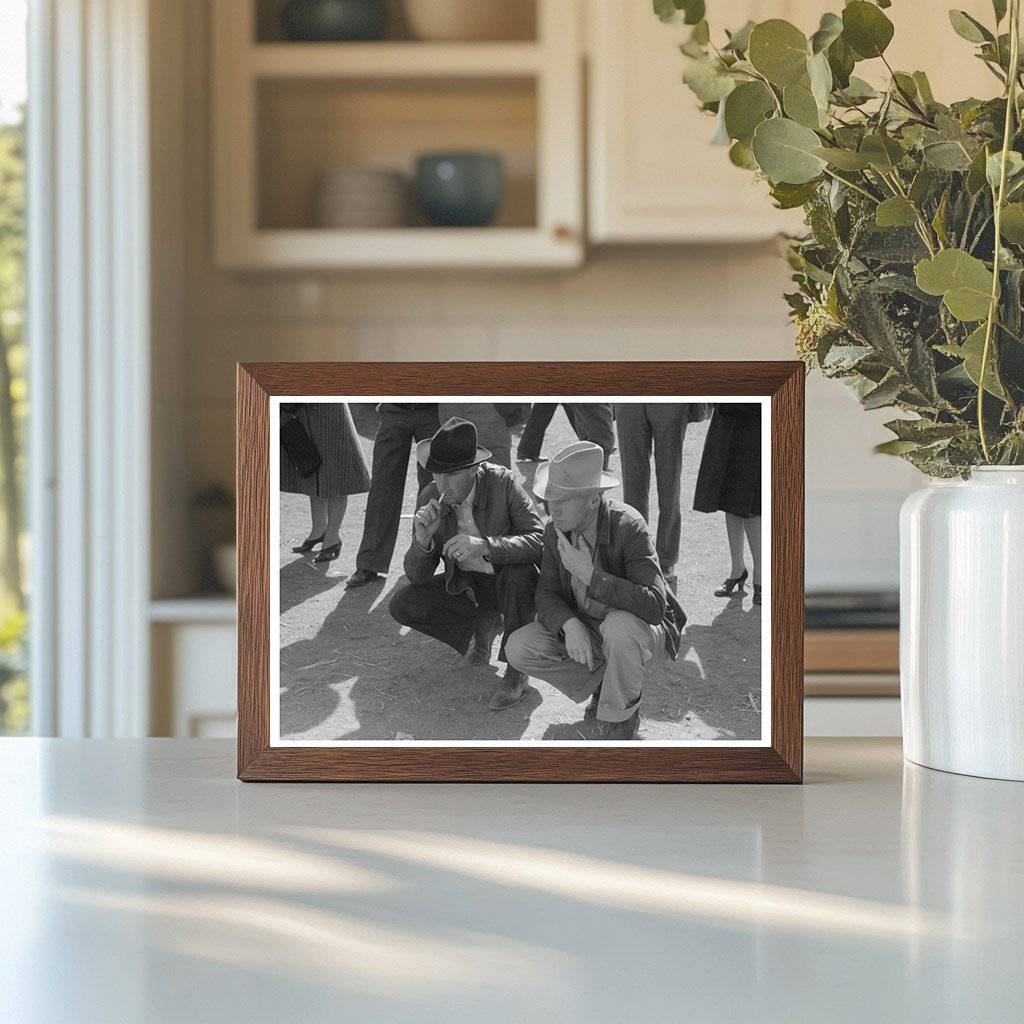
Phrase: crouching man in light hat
pixel 604 613
pixel 477 520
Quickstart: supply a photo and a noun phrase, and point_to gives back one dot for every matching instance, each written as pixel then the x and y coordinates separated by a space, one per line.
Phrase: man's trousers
pixel 452 618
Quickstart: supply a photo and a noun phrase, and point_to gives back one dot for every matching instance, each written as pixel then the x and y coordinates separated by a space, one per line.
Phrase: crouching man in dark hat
pixel 476 518
pixel 604 614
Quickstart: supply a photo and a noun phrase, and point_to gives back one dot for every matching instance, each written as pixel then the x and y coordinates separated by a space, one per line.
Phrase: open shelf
pixel 287 114
pixel 308 127
pixel 393 60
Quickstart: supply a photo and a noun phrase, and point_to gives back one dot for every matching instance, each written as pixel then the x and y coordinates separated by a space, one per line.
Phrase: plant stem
pixel 1011 108
pixel 853 185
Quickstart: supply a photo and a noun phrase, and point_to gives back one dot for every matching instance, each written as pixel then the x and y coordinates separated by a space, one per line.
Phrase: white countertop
pixel 140 882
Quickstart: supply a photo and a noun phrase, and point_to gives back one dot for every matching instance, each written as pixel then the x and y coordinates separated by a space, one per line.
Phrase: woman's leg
pixel 734 528
pixel 752 528
pixel 318 515
pixel 335 508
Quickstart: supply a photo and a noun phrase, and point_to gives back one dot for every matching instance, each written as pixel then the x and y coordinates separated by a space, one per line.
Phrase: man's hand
pixel 426 522
pixel 462 547
pixel 578 643
pixel 577 560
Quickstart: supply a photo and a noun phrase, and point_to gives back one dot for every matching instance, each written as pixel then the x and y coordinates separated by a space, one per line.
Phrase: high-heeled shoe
pixel 307 545
pixel 736 583
pixel 757 593
pixel 328 554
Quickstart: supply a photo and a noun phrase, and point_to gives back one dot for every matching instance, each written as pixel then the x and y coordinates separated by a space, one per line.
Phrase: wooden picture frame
pixel 779 760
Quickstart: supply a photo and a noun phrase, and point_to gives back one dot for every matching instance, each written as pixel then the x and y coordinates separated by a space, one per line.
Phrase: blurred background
pixel 205 183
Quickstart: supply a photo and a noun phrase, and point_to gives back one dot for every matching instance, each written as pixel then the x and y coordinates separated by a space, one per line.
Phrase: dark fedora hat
pixel 452 448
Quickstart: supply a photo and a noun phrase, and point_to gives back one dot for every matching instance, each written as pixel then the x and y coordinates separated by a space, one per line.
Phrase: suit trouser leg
pixel 592 421
pixel 635 455
pixel 532 438
pixel 629 645
pixel 425 424
pixel 668 424
pixel 429 608
pixel 515 590
pixel 624 649
pixel 387 486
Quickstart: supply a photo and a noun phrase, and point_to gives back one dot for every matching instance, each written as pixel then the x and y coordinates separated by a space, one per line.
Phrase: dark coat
pixel 629 579
pixel 504 515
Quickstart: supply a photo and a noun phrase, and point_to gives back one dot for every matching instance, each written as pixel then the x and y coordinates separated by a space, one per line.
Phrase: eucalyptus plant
pixel 910 277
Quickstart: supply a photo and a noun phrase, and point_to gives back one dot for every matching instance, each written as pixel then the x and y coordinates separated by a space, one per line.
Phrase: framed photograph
pixel 511 572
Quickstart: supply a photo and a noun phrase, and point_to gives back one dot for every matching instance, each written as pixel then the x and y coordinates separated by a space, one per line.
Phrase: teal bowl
pixel 334 21
pixel 461 190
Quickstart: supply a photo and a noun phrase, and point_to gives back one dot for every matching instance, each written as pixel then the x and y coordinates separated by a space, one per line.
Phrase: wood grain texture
pixel 780 762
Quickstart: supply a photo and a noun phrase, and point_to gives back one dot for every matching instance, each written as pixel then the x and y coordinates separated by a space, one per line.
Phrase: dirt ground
pixel 349 671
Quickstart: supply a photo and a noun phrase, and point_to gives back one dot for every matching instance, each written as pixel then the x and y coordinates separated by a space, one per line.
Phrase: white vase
pixel 962 624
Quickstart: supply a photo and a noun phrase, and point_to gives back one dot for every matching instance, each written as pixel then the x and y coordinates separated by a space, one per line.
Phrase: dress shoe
pixel 510 691
pixel 621 730
pixel 307 545
pixel 484 635
pixel 361 577
pixel 328 554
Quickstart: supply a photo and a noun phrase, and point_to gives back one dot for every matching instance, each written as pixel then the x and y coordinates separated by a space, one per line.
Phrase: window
pixel 14 691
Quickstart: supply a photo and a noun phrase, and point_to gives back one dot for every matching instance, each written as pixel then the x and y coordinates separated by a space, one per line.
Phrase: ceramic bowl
pixel 332 21
pixel 470 20
pixel 460 189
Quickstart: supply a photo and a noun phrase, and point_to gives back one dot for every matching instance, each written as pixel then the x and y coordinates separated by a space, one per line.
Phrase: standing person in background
pixel 400 425
pixel 662 425
pixel 493 421
pixel 341 471
pixel 729 481
pixel 592 421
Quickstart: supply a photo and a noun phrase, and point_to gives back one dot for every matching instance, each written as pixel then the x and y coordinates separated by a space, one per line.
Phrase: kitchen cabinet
pixel 288 114
pixel 653 175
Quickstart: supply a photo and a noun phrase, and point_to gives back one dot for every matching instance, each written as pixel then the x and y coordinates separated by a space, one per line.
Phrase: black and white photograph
pixel 481 572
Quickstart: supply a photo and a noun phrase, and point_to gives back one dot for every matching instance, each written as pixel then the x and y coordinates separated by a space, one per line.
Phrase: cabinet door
pixel 654 176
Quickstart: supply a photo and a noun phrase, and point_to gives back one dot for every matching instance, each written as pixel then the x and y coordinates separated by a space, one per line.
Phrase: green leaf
pixel 819 74
pixel 976 174
pixel 999 9
pixel 924 88
pixel 895 447
pixel 829 30
pixel 963 281
pixel 882 151
pixel 947 156
pixel 1011 226
pixel 840 61
pixel 707 78
pixel 885 394
pixel 923 431
pixel 788 196
pixel 971 351
pixel 689 12
pixel 969 28
pixel 779 51
pixel 786 151
pixel 801 106
pixel 895 212
pixel 739 41
pixel 844 159
pixel 866 29
pixel 993 166
pixel 858 91
pixel 745 108
pixel 922 185
pixel 741 155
